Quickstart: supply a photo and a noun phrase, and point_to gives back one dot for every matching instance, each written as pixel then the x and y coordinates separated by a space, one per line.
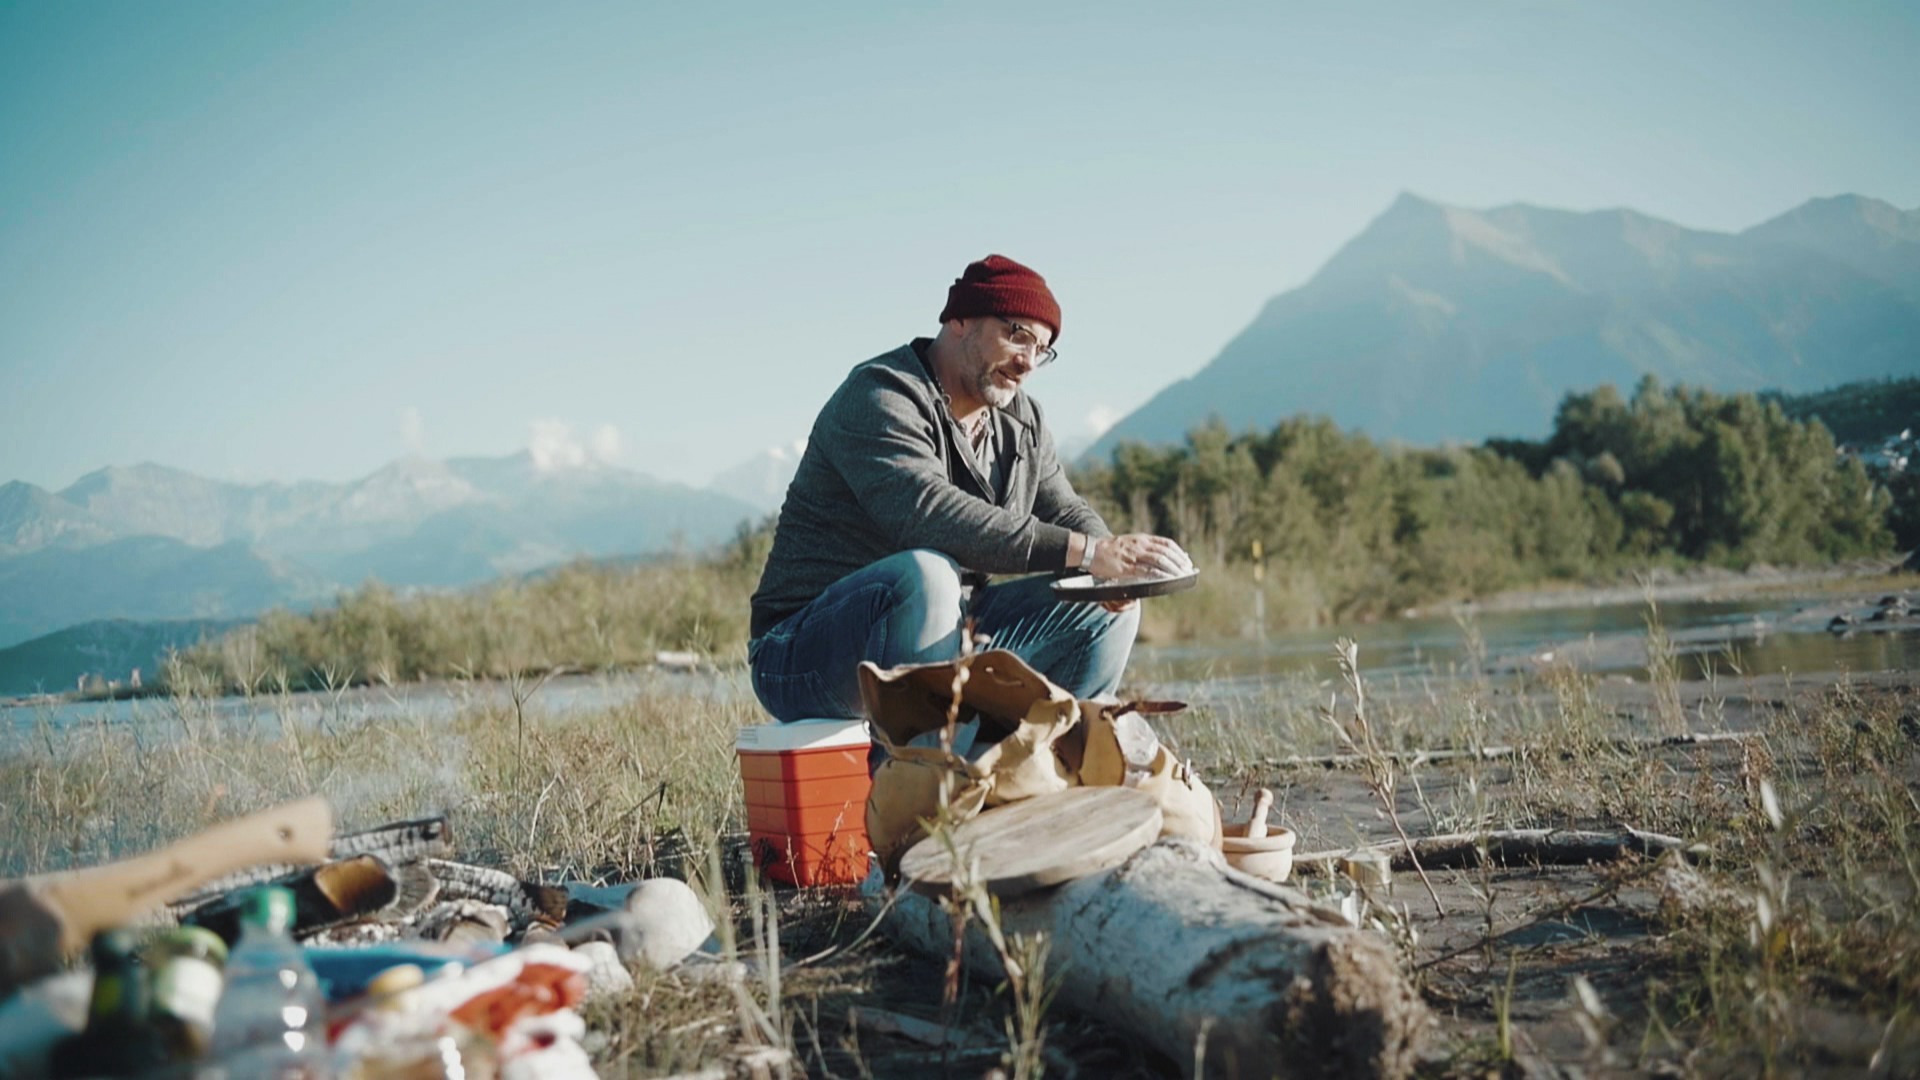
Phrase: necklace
pixel 976 428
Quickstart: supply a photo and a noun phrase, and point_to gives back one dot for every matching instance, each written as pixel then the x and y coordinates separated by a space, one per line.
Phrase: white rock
pixel 666 923
pixel 607 977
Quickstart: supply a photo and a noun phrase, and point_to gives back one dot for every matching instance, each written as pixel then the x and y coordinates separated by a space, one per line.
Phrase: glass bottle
pixel 187 965
pixel 120 1039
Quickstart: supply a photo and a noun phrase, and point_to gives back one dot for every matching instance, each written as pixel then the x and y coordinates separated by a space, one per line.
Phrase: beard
pixel 992 393
pixel 983 355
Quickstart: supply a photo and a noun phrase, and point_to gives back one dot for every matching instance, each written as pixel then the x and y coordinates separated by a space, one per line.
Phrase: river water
pixel 1751 636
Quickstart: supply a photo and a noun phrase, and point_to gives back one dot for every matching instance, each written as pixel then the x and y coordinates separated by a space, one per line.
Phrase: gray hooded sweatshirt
pixel 887 469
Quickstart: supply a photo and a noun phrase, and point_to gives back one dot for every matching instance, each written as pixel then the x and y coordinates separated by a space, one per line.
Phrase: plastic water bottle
pixel 271 1023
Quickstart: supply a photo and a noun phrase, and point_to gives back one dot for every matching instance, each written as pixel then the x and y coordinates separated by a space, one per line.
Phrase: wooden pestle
pixel 1257 824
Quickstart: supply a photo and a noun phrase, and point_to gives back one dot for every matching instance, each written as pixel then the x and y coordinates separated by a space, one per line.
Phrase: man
pixel 928 469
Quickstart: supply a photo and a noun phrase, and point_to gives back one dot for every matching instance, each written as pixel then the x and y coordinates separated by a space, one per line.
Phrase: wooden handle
pixel 86 901
pixel 1257 824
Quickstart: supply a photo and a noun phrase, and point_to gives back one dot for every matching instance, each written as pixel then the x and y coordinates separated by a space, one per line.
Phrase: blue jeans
pixel 906 609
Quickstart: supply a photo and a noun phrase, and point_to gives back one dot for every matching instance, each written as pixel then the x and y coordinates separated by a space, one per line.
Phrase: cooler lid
pixel 802 735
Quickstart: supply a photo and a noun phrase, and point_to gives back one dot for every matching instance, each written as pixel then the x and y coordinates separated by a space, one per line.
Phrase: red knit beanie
pixel 996 285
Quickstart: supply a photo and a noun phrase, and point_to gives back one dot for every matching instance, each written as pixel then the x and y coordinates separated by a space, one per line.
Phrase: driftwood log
pixel 1417 758
pixel 1202 962
pixel 1514 847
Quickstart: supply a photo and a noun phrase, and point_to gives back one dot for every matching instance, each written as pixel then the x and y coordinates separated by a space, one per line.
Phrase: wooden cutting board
pixel 1041 841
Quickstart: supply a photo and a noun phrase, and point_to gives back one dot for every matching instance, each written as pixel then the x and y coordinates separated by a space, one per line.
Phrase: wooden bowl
pixel 1269 857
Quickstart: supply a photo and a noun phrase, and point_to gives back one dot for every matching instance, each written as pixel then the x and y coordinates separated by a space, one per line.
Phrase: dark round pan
pixel 1085 588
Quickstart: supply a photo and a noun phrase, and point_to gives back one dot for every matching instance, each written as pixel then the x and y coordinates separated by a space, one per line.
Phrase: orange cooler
pixel 807 799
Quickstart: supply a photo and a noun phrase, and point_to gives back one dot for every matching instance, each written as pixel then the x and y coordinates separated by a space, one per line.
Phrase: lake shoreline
pixel 1849 589
pixel 1697 583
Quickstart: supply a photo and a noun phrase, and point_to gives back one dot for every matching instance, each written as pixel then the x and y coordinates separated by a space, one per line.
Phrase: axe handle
pixel 86 901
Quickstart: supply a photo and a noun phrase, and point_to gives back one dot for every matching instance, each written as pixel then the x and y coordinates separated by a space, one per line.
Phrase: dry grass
pixel 1820 830
pixel 1811 913
pixel 586 795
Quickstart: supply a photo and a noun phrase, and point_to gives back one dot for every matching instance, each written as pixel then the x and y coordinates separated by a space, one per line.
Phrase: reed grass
pixel 583 795
pixel 580 617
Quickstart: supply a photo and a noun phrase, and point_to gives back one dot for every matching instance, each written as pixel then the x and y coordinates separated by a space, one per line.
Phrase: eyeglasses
pixel 1024 340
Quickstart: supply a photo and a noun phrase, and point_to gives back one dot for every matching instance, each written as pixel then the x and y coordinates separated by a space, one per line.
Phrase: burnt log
pixel 399 844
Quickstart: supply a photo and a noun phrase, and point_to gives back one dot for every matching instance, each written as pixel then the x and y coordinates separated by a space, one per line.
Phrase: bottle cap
pixel 113 947
pixel 270 908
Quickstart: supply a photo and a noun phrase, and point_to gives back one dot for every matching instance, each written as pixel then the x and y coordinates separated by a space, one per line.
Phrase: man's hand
pixel 1139 555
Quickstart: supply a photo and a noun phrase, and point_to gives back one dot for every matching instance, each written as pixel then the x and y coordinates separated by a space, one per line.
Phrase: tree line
pixel 1857 413
pixel 1346 528
pixel 1669 476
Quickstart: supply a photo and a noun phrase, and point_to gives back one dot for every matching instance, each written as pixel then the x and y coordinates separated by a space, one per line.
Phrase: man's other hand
pixel 1139 555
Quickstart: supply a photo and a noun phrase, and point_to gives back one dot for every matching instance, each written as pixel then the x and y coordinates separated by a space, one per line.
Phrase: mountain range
pixel 1440 324
pixel 150 542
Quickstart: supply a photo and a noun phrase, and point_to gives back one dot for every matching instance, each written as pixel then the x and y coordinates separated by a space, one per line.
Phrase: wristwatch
pixel 1086 553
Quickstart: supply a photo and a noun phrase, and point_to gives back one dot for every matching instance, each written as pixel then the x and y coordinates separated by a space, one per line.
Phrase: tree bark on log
pixel 1179 950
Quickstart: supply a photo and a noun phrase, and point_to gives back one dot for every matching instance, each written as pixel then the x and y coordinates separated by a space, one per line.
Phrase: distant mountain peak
pixel 761 480
pixel 1416 235
pixel 1817 216
pixel 1409 203
pixel 32 518
pixel 410 487
pixel 118 476
pixel 1439 323
pixel 1866 235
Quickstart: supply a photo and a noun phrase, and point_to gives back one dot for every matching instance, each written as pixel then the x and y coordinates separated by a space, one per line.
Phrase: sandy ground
pixel 1547 921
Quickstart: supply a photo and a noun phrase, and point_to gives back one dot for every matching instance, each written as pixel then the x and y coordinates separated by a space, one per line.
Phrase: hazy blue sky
pixel 295 239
